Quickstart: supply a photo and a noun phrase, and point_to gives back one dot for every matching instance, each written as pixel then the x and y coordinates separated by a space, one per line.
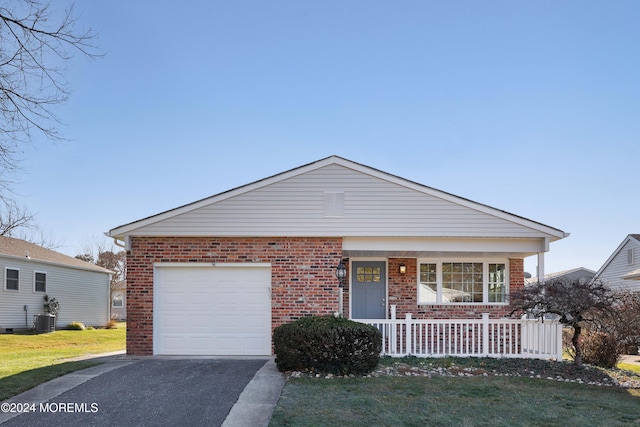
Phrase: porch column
pixel 540 266
pixel 541 259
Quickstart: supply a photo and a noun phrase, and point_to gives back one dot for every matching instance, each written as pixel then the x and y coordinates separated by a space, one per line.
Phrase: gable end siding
pixel 370 207
pixel 619 266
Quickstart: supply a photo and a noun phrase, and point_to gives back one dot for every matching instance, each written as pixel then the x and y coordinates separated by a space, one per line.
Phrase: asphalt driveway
pixel 148 392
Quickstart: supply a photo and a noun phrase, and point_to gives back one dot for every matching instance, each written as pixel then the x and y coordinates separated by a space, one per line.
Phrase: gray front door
pixel 369 283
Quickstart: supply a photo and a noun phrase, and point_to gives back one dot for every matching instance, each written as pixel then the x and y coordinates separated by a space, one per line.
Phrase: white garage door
pixel 212 310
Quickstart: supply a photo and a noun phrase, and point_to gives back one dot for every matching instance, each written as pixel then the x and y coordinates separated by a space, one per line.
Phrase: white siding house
pixel 29 272
pixel 622 270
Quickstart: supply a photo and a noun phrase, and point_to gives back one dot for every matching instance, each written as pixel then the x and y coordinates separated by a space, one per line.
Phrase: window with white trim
pixel 11 279
pixel 630 256
pixel 467 282
pixel 39 281
pixel 117 301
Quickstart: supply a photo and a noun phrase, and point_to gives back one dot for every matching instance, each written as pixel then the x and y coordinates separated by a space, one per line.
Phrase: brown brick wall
pixel 303 281
pixel 403 293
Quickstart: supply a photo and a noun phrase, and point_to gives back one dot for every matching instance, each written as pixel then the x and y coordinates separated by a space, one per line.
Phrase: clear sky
pixel 532 107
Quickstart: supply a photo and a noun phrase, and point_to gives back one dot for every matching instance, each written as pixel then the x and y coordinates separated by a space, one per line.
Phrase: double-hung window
pixel 40 281
pixel 11 279
pixel 462 282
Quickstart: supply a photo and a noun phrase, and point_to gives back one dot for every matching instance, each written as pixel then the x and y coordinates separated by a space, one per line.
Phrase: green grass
pixel 446 401
pixel 629 367
pixel 30 359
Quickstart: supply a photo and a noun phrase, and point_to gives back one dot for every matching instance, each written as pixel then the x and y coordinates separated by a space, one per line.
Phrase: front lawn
pixel 29 359
pixel 461 392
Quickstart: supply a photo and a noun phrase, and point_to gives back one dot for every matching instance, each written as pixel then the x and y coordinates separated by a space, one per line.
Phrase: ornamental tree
pixel 576 302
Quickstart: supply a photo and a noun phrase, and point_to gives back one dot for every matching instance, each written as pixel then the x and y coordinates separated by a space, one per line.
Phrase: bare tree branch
pixel 36 43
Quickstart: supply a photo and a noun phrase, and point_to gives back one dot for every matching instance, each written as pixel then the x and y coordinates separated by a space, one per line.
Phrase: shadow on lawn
pixel 15 384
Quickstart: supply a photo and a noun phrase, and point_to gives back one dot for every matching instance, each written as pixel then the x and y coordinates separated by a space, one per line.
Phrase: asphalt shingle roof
pixel 22 249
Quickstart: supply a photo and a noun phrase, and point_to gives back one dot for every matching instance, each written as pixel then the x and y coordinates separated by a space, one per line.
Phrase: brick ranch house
pixel 214 277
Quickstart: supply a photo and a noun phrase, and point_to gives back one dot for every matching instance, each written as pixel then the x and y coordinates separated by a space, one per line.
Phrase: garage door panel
pixel 212 311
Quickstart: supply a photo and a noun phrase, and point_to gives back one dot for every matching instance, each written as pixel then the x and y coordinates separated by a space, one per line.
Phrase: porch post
pixel 558 341
pixel 540 266
pixel 485 334
pixel 541 260
pixel 408 345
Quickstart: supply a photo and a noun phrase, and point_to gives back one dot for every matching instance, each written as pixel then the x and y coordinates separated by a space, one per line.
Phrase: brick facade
pixel 303 280
pixel 302 283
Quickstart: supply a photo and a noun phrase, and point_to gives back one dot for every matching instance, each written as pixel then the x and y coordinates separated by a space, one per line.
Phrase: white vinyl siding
pixel 83 295
pixel 371 207
pixel 619 266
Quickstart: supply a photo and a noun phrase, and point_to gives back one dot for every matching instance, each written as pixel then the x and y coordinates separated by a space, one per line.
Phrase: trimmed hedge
pixel 327 344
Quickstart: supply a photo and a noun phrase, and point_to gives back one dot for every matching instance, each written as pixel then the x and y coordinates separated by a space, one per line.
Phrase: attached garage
pixel 207 309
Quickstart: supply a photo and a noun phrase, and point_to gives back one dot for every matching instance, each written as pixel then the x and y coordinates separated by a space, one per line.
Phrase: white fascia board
pixel 479 245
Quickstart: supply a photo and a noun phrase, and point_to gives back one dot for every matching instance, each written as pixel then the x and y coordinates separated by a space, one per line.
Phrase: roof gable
pixel 631 240
pixel 369 202
pixel 21 249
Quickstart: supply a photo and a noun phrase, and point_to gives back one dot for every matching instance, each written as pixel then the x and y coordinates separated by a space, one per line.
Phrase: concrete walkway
pixel 254 406
pixel 258 399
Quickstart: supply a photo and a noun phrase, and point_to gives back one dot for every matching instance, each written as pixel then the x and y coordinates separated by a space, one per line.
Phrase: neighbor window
pixel 630 256
pixel 473 282
pixel 40 282
pixel 117 300
pixel 12 278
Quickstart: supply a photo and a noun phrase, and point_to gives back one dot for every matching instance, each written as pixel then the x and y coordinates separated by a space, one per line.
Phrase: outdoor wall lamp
pixel 403 269
pixel 341 273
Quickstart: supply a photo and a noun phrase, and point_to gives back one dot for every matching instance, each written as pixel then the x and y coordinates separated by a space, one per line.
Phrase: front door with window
pixel 369 289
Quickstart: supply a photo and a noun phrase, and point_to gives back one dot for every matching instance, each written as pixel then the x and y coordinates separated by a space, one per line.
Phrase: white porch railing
pixel 523 338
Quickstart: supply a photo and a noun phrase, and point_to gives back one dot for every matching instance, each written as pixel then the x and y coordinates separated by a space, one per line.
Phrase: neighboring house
pixel 214 277
pixel 573 274
pixel 29 272
pixel 622 270
pixel 119 301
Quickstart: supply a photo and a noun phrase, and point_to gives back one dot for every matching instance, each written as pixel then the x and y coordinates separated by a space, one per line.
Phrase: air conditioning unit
pixel 45 323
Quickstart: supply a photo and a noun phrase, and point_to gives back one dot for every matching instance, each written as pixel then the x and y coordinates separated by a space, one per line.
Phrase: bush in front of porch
pixel 327 344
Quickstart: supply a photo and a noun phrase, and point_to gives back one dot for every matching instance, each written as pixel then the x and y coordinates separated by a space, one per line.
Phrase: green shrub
pixel 327 344
pixel 76 326
pixel 600 349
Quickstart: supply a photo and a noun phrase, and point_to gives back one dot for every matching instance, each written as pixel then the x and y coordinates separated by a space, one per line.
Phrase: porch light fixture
pixel 403 269
pixel 341 273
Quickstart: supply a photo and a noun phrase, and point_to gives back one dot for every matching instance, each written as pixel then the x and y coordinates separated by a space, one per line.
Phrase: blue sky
pixel 529 107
